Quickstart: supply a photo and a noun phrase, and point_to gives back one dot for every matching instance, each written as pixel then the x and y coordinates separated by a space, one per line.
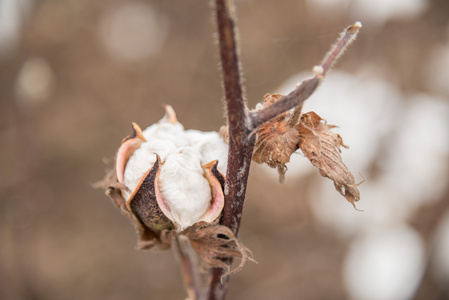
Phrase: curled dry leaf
pixel 277 139
pixel 213 242
pixel 322 147
pixel 280 137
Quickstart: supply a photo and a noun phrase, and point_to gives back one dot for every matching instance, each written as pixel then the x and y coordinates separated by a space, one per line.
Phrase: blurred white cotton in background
pixel 380 11
pixel 34 83
pixel 12 13
pixel 374 13
pixel 329 7
pixel 418 155
pixel 384 264
pixel 381 205
pixel 133 32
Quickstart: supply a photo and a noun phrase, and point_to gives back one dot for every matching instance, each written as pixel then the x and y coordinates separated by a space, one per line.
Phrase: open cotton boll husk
pixel 184 188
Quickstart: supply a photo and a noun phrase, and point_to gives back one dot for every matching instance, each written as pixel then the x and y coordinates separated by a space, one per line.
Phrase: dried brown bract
pixel 277 139
pixel 322 147
pixel 281 136
pixel 213 242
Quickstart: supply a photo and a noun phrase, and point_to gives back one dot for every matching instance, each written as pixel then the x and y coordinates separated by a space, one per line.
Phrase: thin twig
pixel 307 87
pixel 346 38
pixel 190 268
pixel 295 98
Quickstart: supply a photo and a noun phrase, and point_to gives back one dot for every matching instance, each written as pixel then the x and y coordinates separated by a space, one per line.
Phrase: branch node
pixel 319 71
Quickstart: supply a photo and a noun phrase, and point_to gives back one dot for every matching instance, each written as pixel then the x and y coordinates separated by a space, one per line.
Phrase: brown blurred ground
pixel 61 239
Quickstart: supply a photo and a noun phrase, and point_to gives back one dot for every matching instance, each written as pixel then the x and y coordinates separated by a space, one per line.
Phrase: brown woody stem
pixel 295 98
pixel 241 144
pixel 239 155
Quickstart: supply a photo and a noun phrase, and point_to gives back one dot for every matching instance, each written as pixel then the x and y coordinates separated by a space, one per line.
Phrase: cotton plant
pixel 186 188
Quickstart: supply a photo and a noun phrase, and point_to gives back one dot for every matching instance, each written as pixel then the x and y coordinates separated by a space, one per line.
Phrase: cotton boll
pixel 384 264
pixel 183 185
pixel 184 188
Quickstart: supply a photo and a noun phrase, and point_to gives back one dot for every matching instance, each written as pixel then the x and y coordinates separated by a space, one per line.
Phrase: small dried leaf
pixel 277 139
pixel 214 242
pixel 322 147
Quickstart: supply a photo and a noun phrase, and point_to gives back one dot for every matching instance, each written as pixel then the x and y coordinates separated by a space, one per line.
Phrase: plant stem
pixel 241 144
pixel 240 150
pixel 295 98
pixel 190 267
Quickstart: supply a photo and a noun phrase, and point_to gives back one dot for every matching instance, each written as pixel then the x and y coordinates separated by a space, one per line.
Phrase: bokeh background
pixel 74 74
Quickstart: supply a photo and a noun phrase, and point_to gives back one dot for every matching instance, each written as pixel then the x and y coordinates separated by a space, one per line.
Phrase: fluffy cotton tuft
pixel 183 185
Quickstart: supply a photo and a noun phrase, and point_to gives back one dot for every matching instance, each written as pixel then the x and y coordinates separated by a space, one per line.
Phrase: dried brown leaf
pixel 214 242
pixel 277 139
pixel 322 147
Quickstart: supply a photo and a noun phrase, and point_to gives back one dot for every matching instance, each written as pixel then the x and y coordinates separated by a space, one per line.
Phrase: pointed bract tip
pixel 170 115
pixel 209 165
pixel 216 181
pixel 138 131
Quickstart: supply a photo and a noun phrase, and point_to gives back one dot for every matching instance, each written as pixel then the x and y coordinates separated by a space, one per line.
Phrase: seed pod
pixel 146 201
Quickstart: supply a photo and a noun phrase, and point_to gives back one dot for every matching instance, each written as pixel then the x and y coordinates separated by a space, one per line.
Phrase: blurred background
pixel 74 74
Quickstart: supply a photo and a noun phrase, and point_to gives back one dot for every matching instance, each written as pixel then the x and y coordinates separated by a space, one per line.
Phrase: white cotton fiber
pixel 185 190
pixel 210 146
